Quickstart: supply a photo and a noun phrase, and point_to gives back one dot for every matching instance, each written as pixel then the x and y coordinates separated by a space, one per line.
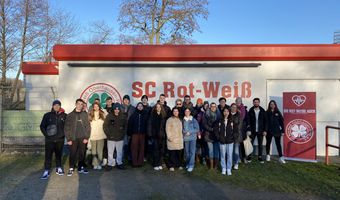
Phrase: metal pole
pixel 1 95
pixel 326 140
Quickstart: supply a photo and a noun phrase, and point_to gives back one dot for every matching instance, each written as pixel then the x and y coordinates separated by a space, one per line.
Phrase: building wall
pixel 266 81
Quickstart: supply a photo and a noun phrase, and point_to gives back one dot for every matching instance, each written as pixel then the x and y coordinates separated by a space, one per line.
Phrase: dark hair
pixel 276 109
pixel 186 96
pixel 97 99
pixel 212 103
pixel 162 95
pixel 154 110
pixel 188 109
pixel 256 98
pixel 225 108
pixel 80 100
pixel 91 113
pixel 144 96
pixel 222 98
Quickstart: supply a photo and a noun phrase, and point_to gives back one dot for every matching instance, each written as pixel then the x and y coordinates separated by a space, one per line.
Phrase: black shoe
pixel 83 170
pixel 261 160
pixel 70 172
pixel 121 167
pixel 108 168
pixel 45 175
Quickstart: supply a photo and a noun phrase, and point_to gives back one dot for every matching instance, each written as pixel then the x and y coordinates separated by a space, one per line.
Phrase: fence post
pixel 1 96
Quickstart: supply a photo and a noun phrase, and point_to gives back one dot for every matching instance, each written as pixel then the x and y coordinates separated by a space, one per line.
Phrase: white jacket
pixel 97 131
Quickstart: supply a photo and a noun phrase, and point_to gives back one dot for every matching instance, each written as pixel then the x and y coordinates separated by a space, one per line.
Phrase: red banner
pixel 299 111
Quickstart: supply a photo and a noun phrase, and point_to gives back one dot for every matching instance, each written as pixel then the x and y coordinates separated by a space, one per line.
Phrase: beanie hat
pixel 56 102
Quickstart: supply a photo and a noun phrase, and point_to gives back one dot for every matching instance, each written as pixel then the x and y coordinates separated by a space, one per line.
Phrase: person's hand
pixel 264 133
pixel 69 142
pixel 199 136
pixel 85 141
pixel 188 133
pixel 282 134
pixel 248 133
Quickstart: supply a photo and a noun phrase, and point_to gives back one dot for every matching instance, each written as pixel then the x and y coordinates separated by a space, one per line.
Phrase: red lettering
pixel 137 89
pixel 235 89
pixel 191 90
pixel 169 88
pixel 226 91
pixel 181 91
pixel 148 85
pixel 212 90
pixel 246 89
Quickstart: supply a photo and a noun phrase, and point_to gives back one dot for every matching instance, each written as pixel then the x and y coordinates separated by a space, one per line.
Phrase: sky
pixel 238 21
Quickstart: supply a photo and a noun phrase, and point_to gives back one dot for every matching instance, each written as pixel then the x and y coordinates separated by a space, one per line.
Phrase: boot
pixel 211 163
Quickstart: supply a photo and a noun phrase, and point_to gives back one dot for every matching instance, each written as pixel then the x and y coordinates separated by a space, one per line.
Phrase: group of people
pixel 208 133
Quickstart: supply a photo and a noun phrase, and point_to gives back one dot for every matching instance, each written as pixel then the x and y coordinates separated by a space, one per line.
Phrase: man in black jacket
pixel 77 132
pixel 52 126
pixel 258 126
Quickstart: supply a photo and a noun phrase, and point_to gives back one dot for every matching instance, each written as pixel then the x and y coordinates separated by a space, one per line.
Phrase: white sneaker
pixel 236 167
pixel 99 167
pixel 104 162
pixel 95 167
pixel 156 168
pixel 229 172
pixel 224 172
pixel 45 175
pixel 59 171
pixel 172 169
pixel 180 168
pixel 160 167
pixel 268 158
pixel 282 161
pixel 190 169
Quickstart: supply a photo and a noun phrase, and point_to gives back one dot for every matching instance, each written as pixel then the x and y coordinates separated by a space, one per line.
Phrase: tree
pixel 99 33
pixel 161 21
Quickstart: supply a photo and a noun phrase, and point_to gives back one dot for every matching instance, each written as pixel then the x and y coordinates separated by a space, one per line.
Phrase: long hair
pixel 276 109
pixel 222 114
pixel 91 113
pixel 154 110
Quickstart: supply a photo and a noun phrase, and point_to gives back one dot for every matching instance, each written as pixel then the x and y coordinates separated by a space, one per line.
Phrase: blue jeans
pixel 236 153
pixel 190 149
pixel 213 150
pixel 226 150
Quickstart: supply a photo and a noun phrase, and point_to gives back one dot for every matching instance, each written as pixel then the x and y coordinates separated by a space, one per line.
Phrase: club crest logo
pixel 299 131
pixel 101 91
pixel 299 100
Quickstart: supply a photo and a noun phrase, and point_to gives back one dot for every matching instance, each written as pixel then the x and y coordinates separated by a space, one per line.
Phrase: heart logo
pixel 299 100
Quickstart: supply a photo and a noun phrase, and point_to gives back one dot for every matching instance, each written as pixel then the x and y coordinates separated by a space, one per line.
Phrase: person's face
pixel 179 104
pixel 187 100
pixel 256 103
pixel 199 104
pixel 144 100
pixel 126 102
pixel 140 107
pixel 158 108
pixel 226 113
pixel 56 107
pixel 175 112
pixel 187 112
pixel 79 105
pixel 213 107
pixel 162 99
pixel 238 102
pixel 109 102
pixel 272 105
pixel 222 102
pixel 97 101
pixel 206 106
pixel 116 111
pixel 95 107
pixel 234 108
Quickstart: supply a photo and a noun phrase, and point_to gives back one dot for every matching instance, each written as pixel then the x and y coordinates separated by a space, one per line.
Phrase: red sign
pixel 299 110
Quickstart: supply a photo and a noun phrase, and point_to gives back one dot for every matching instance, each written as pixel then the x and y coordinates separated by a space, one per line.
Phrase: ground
pixel 19 176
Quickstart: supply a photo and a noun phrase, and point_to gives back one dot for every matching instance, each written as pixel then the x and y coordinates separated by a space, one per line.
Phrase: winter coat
pixel 167 109
pixel 245 120
pixel 262 121
pixel 71 126
pixel 56 120
pixel 137 123
pixel 97 131
pixel 275 123
pixel 208 125
pixel 237 126
pixel 190 125
pixel 156 126
pixel 115 126
pixel 174 133
pixel 225 134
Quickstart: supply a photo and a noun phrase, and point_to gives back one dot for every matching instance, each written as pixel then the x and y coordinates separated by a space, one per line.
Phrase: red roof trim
pixel 40 68
pixel 197 52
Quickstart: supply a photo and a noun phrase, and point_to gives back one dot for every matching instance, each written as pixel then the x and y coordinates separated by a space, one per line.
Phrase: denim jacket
pixel 190 125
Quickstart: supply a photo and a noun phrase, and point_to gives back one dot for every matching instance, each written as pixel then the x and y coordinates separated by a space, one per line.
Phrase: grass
pixel 314 179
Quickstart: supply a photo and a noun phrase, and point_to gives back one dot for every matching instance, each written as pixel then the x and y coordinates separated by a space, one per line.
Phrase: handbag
pixel 248 147
pixel 51 130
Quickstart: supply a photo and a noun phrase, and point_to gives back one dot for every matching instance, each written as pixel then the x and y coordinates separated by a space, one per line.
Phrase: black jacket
pixel 225 135
pixel 275 123
pixel 237 126
pixel 137 123
pixel 262 121
pixel 167 109
pixel 208 125
pixel 156 126
pixel 115 126
pixel 71 125
pixel 53 118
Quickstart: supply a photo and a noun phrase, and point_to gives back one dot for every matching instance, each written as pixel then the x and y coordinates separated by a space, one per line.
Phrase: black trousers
pixel 105 152
pixel 55 147
pixel 77 152
pixel 158 152
pixel 269 138
pixel 259 141
pixel 174 158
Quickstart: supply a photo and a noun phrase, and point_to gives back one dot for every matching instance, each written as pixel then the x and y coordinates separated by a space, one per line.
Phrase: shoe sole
pixel 44 178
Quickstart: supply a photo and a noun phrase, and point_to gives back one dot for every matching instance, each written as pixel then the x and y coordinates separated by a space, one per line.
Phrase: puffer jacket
pixel 53 118
pixel 115 126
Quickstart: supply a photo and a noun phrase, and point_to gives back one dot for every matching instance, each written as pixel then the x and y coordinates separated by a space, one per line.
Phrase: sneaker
pixel 160 167
pixel 261 160
pixel 120 167
pixel 45 175
pixel 108 168
pixel 224 172
pixel 172 169
pixel 190 169
pixel 156 168
pixel 229 172
pixel 268 158
pixel 104 162
pixel 282 161
pixel 180 168
pixel 60 171
pixel 236 167
pixel 95 167
pixel 83 170
pixel 70 172
pixel 99 167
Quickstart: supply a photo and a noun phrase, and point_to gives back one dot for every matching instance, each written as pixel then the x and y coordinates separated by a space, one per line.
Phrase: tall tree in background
pixel 161 21
pixel 99 33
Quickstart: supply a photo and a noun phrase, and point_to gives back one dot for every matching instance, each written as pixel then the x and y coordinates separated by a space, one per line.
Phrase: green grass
pixel 314 179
